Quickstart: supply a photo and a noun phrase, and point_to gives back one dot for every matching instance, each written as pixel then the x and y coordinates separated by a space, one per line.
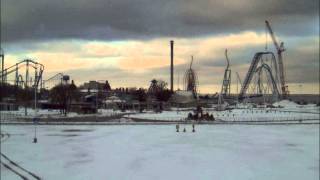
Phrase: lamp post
pixel 35 119
pixel 35 115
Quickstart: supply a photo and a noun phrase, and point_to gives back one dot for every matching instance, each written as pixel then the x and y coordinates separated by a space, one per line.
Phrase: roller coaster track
pixel 253 69
pixel 25 63
pixel 13 166
pixel 55 78
pixel 274 85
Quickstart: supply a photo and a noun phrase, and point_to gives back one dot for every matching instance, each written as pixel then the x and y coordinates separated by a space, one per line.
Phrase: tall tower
pixel 2 65
pixel 171 67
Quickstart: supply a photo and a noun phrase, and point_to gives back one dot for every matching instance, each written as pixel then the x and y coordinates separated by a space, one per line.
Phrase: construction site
pixel 42 118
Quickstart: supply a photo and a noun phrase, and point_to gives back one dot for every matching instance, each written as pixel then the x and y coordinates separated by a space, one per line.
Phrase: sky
pixel 127 41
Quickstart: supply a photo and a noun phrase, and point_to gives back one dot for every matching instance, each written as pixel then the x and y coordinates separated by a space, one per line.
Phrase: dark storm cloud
pixel 140 19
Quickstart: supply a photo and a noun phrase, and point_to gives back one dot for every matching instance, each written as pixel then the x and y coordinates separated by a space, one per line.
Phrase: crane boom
pixel 280 49
pixel 272 36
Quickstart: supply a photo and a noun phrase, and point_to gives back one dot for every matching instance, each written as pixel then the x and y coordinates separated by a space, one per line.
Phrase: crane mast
pixel 280 49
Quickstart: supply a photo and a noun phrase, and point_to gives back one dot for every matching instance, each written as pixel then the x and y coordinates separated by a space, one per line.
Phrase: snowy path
pixel 158 152
pixel 13 166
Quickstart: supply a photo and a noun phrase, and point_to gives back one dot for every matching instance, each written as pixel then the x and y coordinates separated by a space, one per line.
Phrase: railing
pixel 9 116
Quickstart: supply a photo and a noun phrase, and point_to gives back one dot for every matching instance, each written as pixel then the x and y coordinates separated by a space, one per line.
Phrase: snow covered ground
pixel 45 113
pixel 165 115
pixel 254 114
pixel 158 152
pixel 263 115
pixel 286 110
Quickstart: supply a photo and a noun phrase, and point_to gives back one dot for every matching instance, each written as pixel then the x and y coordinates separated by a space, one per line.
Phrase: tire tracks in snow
pixel 13 166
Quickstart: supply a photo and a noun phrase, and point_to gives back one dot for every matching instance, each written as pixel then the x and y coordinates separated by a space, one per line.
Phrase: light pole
pixel 35 120
pixel 35 115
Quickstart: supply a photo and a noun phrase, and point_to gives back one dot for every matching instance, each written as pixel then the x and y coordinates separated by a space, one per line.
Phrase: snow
pixel 158 152
pixel 45 113
pixel 285 103
pixel 289 111
pixel 164 115
pixel 263 114
pixel 253 114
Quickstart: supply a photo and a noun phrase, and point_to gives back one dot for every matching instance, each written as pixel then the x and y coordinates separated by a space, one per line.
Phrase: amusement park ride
pixel 28 73
pixel 225 90
pixel 226 84
pixel 21 72
pixel 191 80
pixel 266 73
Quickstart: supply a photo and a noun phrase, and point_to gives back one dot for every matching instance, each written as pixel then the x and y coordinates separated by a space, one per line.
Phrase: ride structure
pixel 225 89
pixel 191 80
pixel 260 79
pixel 54 80
pixel 24 67
pixel 266 74
pixel 238 81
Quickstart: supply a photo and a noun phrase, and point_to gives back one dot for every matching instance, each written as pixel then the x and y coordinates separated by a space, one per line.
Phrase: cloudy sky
pixel 127 41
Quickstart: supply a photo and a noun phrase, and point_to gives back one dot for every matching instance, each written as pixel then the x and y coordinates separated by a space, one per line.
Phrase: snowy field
pixel 254 114
pixel 45 113
pixel 286 110
pixel 158 152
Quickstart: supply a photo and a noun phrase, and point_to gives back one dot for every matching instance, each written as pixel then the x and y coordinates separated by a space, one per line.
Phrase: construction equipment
pixel 225 90
pixel 280 48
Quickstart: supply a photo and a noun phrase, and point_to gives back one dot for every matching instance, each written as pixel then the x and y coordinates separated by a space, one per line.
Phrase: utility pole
pixel 35 121
pixel 171 67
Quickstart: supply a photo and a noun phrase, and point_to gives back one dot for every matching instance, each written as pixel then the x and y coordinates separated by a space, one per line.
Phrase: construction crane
pixel 225 90
pixel 280 48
